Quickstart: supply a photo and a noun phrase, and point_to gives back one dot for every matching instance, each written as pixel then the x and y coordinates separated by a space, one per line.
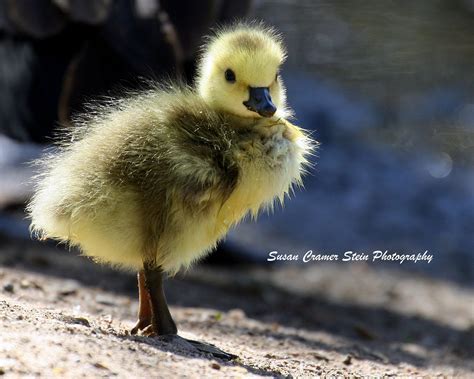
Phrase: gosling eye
pixel 230 75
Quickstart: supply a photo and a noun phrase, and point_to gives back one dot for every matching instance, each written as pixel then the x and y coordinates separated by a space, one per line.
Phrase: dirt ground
pixel 63 316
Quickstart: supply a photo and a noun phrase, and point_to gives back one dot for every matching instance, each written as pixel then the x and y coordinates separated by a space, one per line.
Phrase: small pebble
pixel 25 284
pixel 9 288
pixel 215 366
pixel 348 360
pixel 76 320
pixel 100 366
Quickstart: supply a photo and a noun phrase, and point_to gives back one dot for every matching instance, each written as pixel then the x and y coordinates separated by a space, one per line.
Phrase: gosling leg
pixel 162 323
pixel 144 306
pixel 161 320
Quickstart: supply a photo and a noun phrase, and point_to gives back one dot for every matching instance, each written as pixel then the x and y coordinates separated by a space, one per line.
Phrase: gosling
pixel 152 181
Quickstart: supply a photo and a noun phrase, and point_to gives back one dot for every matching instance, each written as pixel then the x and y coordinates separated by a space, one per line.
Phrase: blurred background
pixel 386 87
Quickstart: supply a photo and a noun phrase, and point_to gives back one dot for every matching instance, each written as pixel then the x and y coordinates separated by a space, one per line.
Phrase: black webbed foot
pixel 197 346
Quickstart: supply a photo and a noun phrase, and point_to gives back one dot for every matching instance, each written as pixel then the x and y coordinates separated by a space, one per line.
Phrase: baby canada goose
pixel 152 181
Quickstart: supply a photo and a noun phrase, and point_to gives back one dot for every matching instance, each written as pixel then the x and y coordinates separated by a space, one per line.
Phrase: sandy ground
pixel 63 316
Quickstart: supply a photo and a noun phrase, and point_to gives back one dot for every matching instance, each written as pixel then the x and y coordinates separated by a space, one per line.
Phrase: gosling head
pixel 239 72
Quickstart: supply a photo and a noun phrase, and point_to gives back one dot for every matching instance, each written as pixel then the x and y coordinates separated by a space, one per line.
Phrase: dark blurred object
pixel 184 15
pixel 46 18
pixel 15 174
pixel 57 54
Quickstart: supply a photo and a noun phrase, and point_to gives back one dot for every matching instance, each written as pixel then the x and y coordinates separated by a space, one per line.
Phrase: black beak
pixel 260 101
